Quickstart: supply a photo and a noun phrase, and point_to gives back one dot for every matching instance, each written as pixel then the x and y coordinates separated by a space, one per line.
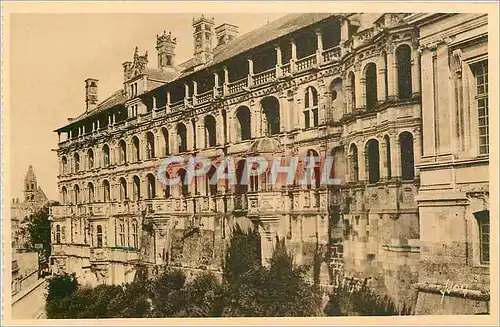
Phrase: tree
pixel 255 291
pixel 288 294
pixel 354 299
pixel 203 297
pixel 59 288
pixel 39 230
pixel 167 293
pixel 243 254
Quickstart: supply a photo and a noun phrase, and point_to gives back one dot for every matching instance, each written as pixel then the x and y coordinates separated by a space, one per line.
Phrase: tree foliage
pixel 248 289
pixel 353 299
pixel 39 230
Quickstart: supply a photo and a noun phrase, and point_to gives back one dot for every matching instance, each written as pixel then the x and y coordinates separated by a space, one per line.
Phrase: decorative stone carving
pixel 457 62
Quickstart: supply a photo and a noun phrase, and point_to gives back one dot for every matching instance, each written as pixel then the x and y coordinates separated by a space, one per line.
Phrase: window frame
pixel 311 106
pixel 481 97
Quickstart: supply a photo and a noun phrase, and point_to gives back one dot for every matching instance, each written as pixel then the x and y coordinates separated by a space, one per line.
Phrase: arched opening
pixel 337 97
pixel 166 146
pixel 407 156
pixel 271 109
pixel 193 128
pixel 241 177
pixel 90 158
pixel 136 149
pixel 386 75
pixel 388 156
pixel 99 236
pixel 150 145
pixel 64 195
pixel 121 234
pixel 244 123
pixel 210 136
pixel 106 191
pixel 253 179
pixel 136 188
pixel 135 234
pixel 105 155
pixel 314 176
pixel 151 186
pixel 224 124
pixel 403 60
pixel 58 234
pixel 64 165
pixel 371 85
pixel 123 151
pixel 182 137
pixel 77 162
pixel 211 189
pixel 183 183
pixel 352 91
pixel 166 190
pixel 91 192
pixel 353 160
pixel 76 189
pixel 123 189
pixel 311 107
pixel 373 160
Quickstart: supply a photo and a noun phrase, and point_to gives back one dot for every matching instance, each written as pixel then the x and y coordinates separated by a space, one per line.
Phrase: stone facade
pixel 345 86
pixel 453 198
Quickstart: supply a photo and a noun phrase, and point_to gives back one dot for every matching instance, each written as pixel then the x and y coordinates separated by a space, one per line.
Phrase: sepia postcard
pixel 254 163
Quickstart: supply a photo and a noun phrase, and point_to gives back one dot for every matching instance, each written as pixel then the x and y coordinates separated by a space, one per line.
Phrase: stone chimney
pixel 225 33
pixel 203 39
pixel 127 70
pixel 91 93
pixel 165 45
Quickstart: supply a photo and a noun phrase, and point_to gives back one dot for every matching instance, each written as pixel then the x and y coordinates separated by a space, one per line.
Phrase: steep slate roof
pixel 115 99
pixel 271 31
pixel 161 75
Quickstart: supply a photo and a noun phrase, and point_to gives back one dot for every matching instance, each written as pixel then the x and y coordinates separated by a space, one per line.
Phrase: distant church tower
pixel 30 186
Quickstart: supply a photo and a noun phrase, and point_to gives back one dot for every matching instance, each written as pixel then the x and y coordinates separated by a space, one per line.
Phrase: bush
pixel 277 291
pixel 352 299
pixel 61 286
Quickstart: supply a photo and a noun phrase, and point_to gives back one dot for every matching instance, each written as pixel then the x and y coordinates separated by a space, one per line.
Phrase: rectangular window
pixel 435 83
pixel 315 117
pixel 481 74
pixel 484 235
pixel 483 221
pixel 307 119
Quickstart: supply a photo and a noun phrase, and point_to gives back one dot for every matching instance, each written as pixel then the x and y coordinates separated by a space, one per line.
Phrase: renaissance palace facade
pixel 359 88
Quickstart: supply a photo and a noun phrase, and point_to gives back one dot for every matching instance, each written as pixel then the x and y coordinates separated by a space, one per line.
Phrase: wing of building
pixel 369 91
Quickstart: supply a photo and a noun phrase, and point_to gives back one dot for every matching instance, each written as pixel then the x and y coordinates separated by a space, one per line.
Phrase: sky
pixel 52 54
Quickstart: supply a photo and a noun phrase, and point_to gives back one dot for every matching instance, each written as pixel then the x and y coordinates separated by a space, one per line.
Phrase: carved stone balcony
pixel 115 254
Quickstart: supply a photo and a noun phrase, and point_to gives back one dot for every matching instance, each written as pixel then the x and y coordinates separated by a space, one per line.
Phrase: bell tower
pixel 203 39
pixel 30 185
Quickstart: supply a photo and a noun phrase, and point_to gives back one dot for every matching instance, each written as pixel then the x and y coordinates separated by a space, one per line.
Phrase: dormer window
pixel 133 89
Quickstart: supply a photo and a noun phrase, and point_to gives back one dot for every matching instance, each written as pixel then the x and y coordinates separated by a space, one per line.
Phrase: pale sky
pixel 52 54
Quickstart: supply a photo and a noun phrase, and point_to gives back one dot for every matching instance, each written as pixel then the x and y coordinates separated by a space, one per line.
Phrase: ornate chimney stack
pixel 203 39
pixel 225 33
pixel 91 89
pixel 165 45
pixel 127 70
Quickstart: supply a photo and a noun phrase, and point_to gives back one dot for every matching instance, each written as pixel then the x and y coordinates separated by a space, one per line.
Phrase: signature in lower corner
pixel 455 288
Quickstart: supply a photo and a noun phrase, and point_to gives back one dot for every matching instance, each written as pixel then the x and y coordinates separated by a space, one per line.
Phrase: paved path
pixel 30 303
